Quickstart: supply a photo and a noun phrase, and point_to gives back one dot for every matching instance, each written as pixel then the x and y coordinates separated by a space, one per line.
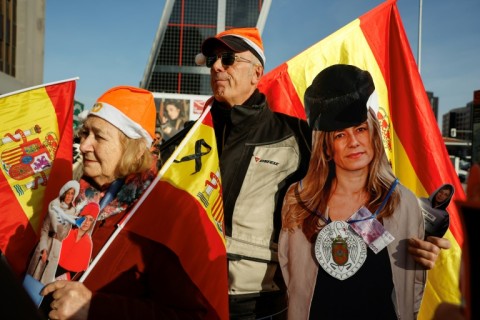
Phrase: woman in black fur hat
pixel 351 247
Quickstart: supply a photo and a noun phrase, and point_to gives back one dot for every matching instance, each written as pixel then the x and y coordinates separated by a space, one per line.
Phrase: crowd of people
pixel 314 217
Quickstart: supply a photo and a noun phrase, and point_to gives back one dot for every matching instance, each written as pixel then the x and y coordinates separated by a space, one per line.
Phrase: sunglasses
pixel 227 58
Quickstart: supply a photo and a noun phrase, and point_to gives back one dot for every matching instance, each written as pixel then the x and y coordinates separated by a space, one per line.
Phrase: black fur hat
pixel 337 98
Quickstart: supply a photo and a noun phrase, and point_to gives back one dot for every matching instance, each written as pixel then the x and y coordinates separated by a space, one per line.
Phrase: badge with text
pixel 370 229
pixel 339 250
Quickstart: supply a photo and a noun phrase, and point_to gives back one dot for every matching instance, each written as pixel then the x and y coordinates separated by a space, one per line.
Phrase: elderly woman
pixel 350 245
pixel 142 279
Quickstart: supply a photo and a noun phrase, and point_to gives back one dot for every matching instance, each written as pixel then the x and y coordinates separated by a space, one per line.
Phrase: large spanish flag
pixel 183 210
pixel 36 160
pixel 377 42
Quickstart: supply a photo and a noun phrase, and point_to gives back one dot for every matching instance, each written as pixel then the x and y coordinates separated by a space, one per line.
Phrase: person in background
pixel 473 183
pixel 77 158
pixel 155 148
pixel 54 229
pixel 175 118
pixel 139 278
pixel 450 311
pixel 261 153
pixel 351 247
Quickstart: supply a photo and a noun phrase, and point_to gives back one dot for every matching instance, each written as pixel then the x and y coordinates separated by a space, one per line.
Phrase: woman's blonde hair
pixel 306 200
pixel 136 157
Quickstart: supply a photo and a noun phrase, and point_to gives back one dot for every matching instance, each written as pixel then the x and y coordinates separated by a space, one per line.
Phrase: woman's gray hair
pixel 136 158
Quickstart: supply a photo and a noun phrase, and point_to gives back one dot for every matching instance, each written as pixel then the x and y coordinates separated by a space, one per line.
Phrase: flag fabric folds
pixel 377 42
pixel 183 210
pixel 36 160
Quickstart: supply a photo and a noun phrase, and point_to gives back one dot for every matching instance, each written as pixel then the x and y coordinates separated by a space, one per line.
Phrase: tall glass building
pixel 184 25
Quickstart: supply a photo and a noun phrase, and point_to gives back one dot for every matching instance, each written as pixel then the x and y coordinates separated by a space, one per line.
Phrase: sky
pixel 106 43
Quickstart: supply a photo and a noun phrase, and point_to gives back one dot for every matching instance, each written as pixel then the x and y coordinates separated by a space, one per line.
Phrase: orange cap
pixel 238 40
pixel 132 110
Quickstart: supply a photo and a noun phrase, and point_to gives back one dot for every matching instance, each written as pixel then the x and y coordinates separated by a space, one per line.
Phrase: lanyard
pixel 384 202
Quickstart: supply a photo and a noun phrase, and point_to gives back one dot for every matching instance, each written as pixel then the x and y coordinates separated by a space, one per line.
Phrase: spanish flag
pixel 377 42
pixel 188 190
pixel 36 160
pixel 183 210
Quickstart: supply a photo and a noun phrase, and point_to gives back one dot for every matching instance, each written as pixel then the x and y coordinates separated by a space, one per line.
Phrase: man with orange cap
pixel 261 153
pixel 137 277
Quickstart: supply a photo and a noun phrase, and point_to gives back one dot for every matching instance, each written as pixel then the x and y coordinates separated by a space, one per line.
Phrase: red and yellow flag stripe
pixel 184 211
pixel 36 160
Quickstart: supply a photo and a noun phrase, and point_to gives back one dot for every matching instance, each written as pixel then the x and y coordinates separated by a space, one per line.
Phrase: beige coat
pixel 52 235
pixel 300 267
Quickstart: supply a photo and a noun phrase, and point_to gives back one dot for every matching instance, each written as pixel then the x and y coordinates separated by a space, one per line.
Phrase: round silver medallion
pixel 339 250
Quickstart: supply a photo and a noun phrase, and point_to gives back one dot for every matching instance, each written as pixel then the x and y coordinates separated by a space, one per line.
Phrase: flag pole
pixel 419 49
pixel 36 87
pixel 146 193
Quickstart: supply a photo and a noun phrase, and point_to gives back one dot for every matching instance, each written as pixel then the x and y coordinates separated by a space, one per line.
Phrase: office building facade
pixel 22 34
pixel 184 25
pixel 457 123
pixel 433 103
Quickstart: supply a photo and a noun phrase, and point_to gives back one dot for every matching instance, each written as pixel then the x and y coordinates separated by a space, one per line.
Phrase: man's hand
pixel 448 311
pixel 425 252
pixel 71 300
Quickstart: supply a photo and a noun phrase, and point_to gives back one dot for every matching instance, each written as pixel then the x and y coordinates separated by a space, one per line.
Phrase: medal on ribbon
pixel 339 250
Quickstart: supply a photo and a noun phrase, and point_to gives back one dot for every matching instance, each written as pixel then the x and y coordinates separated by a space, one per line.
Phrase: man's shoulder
pixel 289 119
pixel 297 125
